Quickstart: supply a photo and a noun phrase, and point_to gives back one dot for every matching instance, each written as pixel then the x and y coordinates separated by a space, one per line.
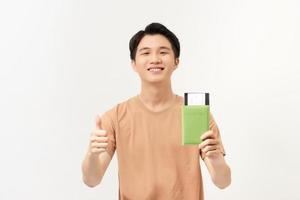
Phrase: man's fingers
pixel 208 134
pixel 99 139
pixel 98 122
pixel 208 142
pixel 99 133
pixel 97 150
pixel 209 148
pixel 99 145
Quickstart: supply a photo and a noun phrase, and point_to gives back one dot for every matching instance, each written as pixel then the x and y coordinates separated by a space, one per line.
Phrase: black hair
pixel 153 29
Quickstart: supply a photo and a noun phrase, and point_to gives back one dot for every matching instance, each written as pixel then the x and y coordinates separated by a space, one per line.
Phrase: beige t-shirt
pixel 152 162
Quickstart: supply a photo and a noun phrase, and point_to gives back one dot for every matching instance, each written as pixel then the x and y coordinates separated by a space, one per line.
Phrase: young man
pixel 145 131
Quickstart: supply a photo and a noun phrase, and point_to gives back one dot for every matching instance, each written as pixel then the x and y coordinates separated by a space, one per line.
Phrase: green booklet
pixel 195 117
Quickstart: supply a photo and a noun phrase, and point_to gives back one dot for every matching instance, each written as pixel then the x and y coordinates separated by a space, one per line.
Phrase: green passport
pixel 195 117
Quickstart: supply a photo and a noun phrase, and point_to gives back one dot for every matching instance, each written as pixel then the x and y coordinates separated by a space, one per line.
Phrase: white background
pixel 63 62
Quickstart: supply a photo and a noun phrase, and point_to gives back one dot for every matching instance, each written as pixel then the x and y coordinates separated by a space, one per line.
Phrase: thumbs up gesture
pixel 98 139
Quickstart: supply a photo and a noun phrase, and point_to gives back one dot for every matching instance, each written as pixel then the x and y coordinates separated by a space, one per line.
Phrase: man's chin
pixel 156 81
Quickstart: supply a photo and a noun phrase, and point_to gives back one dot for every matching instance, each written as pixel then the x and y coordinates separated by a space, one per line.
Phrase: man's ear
pixel 133 65
pixel 176 63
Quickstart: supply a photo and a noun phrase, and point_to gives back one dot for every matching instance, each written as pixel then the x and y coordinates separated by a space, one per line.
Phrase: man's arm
pixel 94 167
pixel 97 158
pixel 212 152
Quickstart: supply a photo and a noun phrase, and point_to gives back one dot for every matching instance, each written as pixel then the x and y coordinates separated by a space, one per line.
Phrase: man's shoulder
pixel 121 107
pixel 124 104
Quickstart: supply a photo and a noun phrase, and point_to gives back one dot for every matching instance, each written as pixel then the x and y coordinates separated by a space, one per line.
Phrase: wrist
pixel 92 156
pixel 216 160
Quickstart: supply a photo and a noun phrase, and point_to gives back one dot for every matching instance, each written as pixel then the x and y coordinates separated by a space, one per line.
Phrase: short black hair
pixel 153 29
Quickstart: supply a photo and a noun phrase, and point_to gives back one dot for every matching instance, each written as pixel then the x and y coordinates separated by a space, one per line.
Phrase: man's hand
pixel 211 145
pixel 96 160
pixel 98 139
pixel 212 154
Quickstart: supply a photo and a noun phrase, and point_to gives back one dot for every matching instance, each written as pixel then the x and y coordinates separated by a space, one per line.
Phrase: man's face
pixel 154 60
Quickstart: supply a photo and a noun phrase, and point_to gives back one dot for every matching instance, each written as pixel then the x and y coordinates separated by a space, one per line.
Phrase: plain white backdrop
pixel 62 62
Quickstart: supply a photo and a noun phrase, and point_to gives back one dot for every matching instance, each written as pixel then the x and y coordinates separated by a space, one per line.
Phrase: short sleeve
pixel 108 120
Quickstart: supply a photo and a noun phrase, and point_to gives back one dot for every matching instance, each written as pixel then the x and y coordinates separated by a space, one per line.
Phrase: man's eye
pixel 145 53
pixel 163 52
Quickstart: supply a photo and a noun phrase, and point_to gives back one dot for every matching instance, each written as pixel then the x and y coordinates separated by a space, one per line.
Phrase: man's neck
pixel 157 96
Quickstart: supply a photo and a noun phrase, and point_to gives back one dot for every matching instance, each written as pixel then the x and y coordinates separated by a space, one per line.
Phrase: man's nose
pixel 155 58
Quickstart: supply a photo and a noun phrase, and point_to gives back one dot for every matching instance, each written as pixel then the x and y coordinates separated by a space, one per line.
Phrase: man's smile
pixel 155 69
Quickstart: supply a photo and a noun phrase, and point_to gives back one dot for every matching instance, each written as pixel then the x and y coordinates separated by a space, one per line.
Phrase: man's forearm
pixel 219 171
pixel 92 170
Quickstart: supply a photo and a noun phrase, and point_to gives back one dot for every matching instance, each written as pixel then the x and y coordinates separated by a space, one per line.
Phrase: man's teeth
pixel 155 69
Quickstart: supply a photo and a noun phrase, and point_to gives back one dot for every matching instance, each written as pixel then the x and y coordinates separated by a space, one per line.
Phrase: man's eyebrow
pixel 164 47
pixel 144 48
pixel 147 48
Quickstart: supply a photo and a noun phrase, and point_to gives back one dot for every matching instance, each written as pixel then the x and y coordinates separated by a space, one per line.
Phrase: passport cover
pixel 195 122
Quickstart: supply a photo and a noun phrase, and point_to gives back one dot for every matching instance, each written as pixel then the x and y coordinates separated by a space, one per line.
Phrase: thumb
pixel 98 122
